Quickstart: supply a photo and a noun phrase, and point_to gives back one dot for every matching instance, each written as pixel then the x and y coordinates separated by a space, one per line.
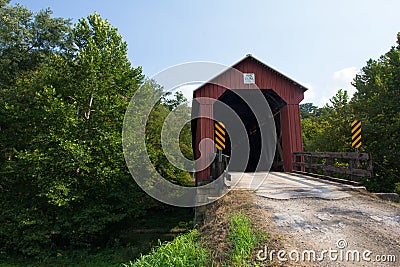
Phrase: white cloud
pixel 345 75
pixel 341 79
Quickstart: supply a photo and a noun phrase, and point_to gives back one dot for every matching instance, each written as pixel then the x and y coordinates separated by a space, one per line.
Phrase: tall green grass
pixel 243 239
pixel 183 251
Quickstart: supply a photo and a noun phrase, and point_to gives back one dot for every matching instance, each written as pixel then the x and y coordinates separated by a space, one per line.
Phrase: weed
pixel 183 251
pixel 243 239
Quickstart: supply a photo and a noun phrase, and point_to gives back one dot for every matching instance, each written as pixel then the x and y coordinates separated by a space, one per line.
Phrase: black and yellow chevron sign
pixel 356 134
pixel 219 136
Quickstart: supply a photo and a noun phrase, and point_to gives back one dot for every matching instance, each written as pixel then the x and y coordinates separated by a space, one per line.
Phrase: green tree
pixel 26 39
pixel 376 103
pixel 65 180
pixel 307 110
pixel 330 130
pixel 28 42
pixel 159 113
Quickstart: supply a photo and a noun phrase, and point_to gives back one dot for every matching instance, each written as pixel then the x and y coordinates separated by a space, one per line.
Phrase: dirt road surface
pixel 321 223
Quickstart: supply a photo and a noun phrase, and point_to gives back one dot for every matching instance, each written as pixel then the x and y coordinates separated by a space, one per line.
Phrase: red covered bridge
pixel 283 95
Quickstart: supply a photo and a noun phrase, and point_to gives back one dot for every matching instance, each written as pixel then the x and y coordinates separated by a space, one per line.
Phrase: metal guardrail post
pixel 218 166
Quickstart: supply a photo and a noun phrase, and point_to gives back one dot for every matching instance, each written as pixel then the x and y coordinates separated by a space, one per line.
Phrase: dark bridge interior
pixel 248 118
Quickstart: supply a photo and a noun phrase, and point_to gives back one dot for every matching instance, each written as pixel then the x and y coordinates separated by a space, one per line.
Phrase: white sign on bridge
pixel 249 78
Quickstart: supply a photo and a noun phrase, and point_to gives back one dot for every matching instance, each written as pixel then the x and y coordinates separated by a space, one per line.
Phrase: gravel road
pixel 337 230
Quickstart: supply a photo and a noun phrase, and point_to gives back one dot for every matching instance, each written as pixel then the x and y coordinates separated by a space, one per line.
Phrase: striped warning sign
pixel 356 134
pixel 219 136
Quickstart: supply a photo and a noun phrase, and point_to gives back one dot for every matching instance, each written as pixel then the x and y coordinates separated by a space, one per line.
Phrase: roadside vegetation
pixel 66 194
pixel 243 239
pixel 183 251
pixel 230 238
pixel 376 103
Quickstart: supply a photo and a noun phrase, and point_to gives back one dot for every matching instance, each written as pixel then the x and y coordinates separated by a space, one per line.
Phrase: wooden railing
pixel 356 164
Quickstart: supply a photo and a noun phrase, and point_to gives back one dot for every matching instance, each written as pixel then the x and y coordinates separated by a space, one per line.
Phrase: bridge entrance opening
pixel 233 99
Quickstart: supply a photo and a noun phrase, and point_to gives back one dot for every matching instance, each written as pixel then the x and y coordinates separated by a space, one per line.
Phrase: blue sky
pixel 321 44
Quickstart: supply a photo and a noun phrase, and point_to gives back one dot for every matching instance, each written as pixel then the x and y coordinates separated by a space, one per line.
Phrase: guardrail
pixel 357 164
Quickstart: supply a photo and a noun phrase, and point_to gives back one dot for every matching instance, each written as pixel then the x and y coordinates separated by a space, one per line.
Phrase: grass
pixel 243 238
pixel 183 251
pixel 234 230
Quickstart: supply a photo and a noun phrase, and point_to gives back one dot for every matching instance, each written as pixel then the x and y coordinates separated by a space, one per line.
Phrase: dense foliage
pixel 377 104
pixel 64 93
pixel 157 116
